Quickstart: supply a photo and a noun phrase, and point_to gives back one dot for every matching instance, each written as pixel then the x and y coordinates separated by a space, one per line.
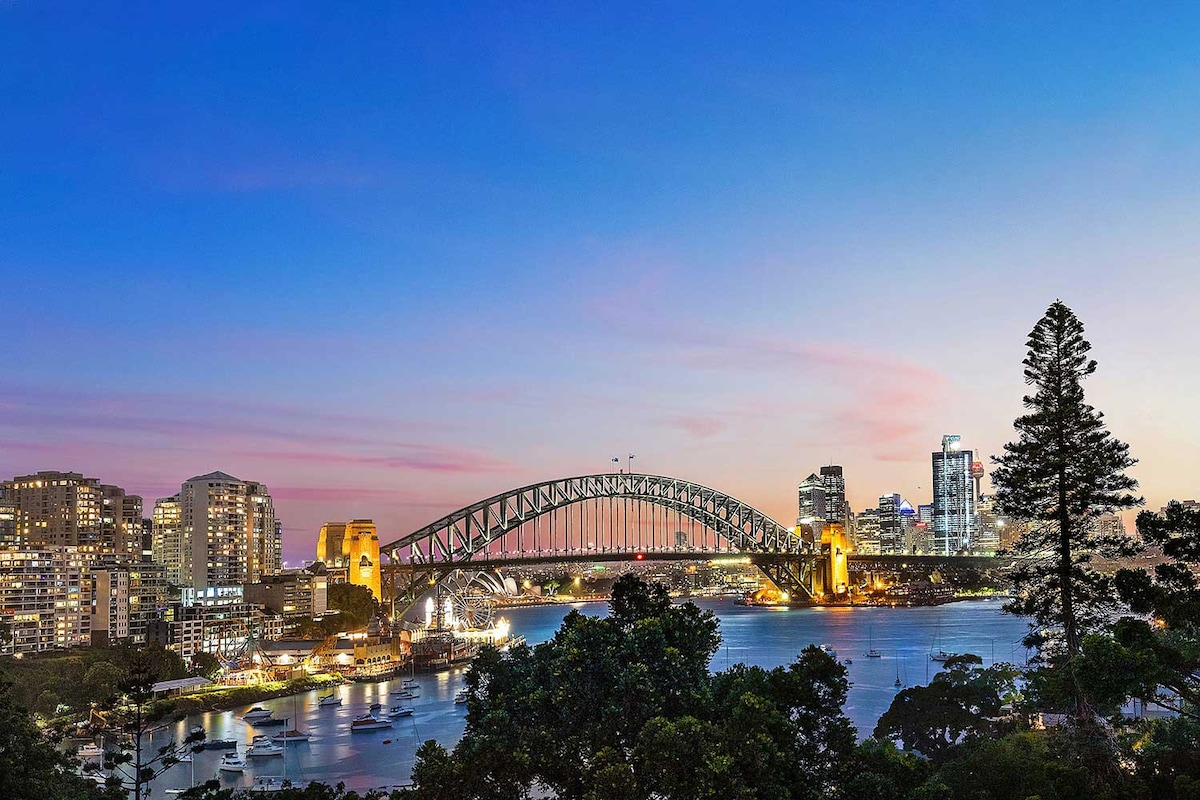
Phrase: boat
pixel 401 711
pixel 183 758
pixel 267 722
pixel 258 712
pixel 406 694
pixel 941 656
pixel 291 735
pixel 195 730
pixel 261 746
pixel 369 722
pixel 829 651
pixel 90 754
pixel 871 651
pixel 266 785
pixel 461 696
pixel 232 762
pixel 376 707
pixel 847 660
pixel 329 700
pixel 411 683
pixel 219 744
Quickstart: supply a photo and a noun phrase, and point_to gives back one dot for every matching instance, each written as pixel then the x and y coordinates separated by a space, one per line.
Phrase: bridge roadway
pixel 857 562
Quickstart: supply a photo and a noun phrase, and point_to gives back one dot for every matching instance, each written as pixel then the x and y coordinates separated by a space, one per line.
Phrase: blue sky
pixel 390 259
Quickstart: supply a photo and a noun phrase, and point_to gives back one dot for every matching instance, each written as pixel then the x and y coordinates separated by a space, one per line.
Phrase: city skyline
pixel 442 253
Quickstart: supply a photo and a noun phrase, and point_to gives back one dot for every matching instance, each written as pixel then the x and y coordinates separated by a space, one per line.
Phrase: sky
pixel 390 259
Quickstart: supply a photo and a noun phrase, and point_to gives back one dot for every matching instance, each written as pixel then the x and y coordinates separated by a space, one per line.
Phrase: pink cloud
pixel 702 427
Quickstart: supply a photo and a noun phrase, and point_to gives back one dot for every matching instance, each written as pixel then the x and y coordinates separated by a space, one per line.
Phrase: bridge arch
pixel 452 542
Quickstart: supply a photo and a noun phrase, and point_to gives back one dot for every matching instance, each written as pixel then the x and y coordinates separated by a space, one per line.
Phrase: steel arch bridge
pixel 472 535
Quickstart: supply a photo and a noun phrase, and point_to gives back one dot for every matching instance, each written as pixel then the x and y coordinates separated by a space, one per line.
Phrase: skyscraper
pixel 66 509
pixel 812 498
pixel 891 536
pixel 835 494
pixel 953 498
pixel 217 531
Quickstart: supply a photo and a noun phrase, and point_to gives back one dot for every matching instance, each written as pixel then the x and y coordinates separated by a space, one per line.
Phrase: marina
pixel 765 637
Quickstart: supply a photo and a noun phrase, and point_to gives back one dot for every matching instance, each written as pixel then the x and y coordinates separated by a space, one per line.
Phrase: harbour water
pixel 760 636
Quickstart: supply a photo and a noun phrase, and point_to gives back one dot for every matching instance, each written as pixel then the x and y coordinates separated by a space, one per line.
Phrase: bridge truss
pixel 609 516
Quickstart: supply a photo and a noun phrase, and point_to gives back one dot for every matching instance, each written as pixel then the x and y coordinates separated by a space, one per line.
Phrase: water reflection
pixel 755 636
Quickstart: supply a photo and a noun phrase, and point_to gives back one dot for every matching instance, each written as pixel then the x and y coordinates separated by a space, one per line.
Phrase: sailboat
pixel 871 651
pixel 292 734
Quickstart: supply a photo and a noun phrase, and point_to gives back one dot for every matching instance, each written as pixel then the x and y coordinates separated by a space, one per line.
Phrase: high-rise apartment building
pixel 42 598
pixel 836 510
pixel 66 509
pixel 125 597
pixel 867 532
pixel 953 498
pixel 1110 525
pixel 217 531
pixel 8 525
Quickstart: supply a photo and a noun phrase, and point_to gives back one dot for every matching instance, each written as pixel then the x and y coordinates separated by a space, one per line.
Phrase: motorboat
pixel 256 713
pixel 401 711
pixel 232 762
pixel 195 730
pixel 267 722
pixel 266 785
pixel 291 735
pixel 261 746
pixel 90 754
pixel 183 758
pixel 369 722
pixel 406 694
pixel 829 651
pixel 847 660
pixel 329 700
pixel 461 696
pixel 219 744
pixel 873 653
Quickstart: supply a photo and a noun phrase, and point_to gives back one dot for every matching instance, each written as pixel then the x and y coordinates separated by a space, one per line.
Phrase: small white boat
pixel 873 653
pixel 369 722
pixel 940 655
pixel 292 735
pixel 90 754
pixel 266 785
pixel 401 711
pixel 195 729
pixel 411 683
pixel 329 700
pixel 256 713
pixel 183 758
pixel 406 694
pixel 461 696
pixel 232 762
pixel 829 651
pixel 261 746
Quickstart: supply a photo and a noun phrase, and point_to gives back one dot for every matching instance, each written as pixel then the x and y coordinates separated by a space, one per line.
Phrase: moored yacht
pixel 401 711
pixel 256 713
pixel 291 735
pixel 262 746
pixel 329 700
pixel 369 722
pixel 232 762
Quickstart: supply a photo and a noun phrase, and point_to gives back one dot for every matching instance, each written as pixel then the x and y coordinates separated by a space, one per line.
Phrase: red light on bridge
pixel 640 557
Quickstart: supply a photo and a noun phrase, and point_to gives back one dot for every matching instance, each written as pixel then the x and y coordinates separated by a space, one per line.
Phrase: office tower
pixel 353 546
pixel 217 531
pixel 867 532
pixel 953 498
pixel 835 494
pixel 66 509
pixel 991 525
pixel 42 599
pixel 1110 525
pixel 925 513
pixel 812 498
pixel 891 537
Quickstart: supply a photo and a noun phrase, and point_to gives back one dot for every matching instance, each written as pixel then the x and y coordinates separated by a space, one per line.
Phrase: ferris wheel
pixel 467 598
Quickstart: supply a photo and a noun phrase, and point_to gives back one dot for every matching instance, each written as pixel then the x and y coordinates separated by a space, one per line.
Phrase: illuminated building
pixel 953 498
pixel 811 498
pixel 353 546
pixel 891 533
pixel 66 509
pixel 295 594
pixel 124 598
pixel 867 532
pixel 217 531
pixel 1110 525
pixel 214 620
pixel 836 510
pixel 42 599
pixel 8 526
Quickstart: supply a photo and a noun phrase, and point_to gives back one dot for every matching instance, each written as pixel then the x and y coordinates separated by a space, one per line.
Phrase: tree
pixel 32 768
pixel 961 704
pixel 206 665
pixel 132 772
pixel 1064 470
pixel 357 604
